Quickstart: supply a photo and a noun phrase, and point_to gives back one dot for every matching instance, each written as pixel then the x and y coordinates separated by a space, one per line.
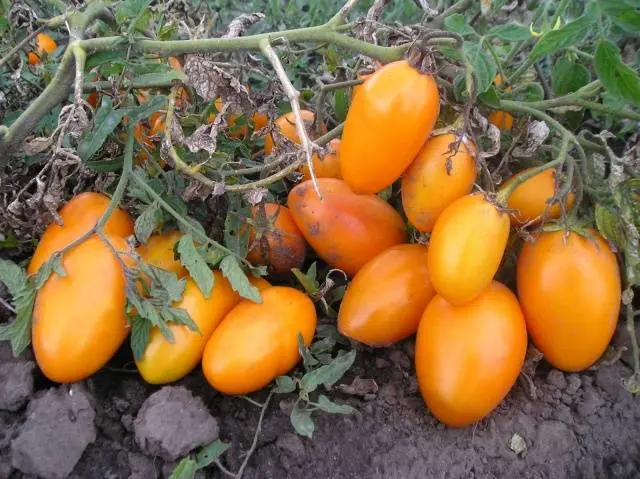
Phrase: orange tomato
pixel 569 289
pixel 182 96
pixel 33 58
pixel 388 122
pixel 234 132
pixel 255 343
pixel 428 186
pixel 466 248
pixel 45 43
pixel 326 167
pixel 141 134
pixel 468 357
pixel 384 302
pixel 287 126
pixel 79 215
pixel 501 119
pixel 345 229
pixel 92 99
pixel 159 252
pixel 79 320
pixel 281 245
pixel 259 120
pixel 356 88
pixel 529 199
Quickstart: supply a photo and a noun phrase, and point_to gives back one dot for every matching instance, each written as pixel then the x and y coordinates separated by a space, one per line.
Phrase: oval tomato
pixel 79 215
pixel 327 166
pixel 79 320
pixel 258 342
pixel 466 247
pixel 159 252
pixel 388 122
pixel 45 43
pixel 435 179
pixel 384 302
pixel 468 357
pixel 286 124
pixel 501 119
pixel 281 245
pixel 346 230
pixel 569 289
pixel 356 88
pixel 529 199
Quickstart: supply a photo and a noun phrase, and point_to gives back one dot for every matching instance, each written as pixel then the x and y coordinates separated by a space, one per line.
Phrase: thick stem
pixel 80 58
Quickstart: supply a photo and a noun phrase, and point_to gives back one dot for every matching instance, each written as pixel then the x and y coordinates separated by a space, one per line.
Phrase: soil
pixel 580 425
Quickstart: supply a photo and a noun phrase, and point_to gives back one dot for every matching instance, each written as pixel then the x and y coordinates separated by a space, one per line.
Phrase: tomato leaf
pixel 340 104
pixel 211 452
pixel 568 77
pixel 186 469
pixel 308 280
pixel 305 353
pixel 232 270
pixel 610 225
pixel 483 65
pixel 196 265
pixel 301 421
pixel 24 294
pixel 458 24
pixel 284 385
pixel 510 32
pixel 326 405
pixel 140 330
pixel 623 13
pixel 236 237
pixel 150 218
pixel 165 287
pixel 107 120
pixel 490 98
pixel 179 316
pixel 619 80
pixel 328 374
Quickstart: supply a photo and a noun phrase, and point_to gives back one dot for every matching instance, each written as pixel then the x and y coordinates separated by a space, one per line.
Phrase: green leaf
pixel 619 80
pixel 490 98
pixel 327 405
pixel 150 218
pixel 573 33
pixel 105 166
pixel 530 92
pixel 308 281
pixel 13 277
pixel 142 112
pixel 340 104
pixel 93 140
pixel 165 285
pixel 456 23
pixel 483 65
pixel 186 469
pixel 284 385
pixel 232 270
pixel 510 32
pixel 211 452
pixel 236 236
pixel 308 360
pixel 161 77
pixel 610 225
pixel 180 316
pixel 196 265
pixel 568 77
pixel 24 295
pixel 301 421
pixel 329 374
pixel 130 9
pixel 140 330
pixel 101 58
pixel 623 13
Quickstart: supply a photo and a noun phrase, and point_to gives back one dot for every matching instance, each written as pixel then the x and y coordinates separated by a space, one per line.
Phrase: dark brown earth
pixel 581 425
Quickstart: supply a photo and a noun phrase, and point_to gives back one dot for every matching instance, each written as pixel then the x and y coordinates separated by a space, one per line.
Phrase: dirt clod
pixel 141 467
pixel 16 384
pixel 172 422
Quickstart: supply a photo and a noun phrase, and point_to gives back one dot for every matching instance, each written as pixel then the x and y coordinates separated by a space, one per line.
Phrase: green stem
pixel 572 100
pixel 505 193
pixel 559 11
pixel 340 85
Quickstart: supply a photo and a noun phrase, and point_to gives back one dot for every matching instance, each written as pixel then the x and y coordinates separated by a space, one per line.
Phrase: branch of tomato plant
pixel 80 57
pixel 457 7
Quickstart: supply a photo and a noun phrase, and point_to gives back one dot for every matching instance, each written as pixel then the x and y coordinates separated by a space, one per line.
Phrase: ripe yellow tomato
pixel 92 99
pixel 569 289
pixel 466 248
pixel 45 43
pixel 468 357
pixel 384 302
pixel 356 88
pixel 345 229
pixel 79 215
pixel 286 124
pixel 79 320
pixel 33 58
pixel 501 119
pixel 327 166
pixel 281 245
pixel 388 122
pixel 529 200
pixel 428 186
pixel 159 252
pixel 255 343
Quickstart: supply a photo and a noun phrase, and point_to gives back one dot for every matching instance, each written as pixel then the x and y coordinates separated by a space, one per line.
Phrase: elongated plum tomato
pixel 158 252
pixel 388 122
pixel 79 215
pixel 281 245
pixel 79 320
pixel 258 342
pixel 344 229
pixel 384 302
pixel 569 290
pixel 466 248
pixel 286 125
pixel 468 357
pixel 529 199
pixel 327 166
pixel 429 186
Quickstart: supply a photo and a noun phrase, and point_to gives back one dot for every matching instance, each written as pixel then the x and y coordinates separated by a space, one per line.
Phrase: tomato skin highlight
pixel 389 120
pixel 287 126
pixel 529 199
pixel 385 301
pixel 281 247
pixel 255 343
pixel 79 320
pixel 468 357
pixel 570 293
pixel 327 166
pixel 466 248
pixel 427 187
pixel 79 215
pixel 345 229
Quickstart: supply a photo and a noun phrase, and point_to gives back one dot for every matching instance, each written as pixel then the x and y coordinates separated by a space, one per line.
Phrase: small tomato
pixel 286 124
pixel 501 119
pixel 159 252
pixel 45 43
pixel 327 166
pixel 33 58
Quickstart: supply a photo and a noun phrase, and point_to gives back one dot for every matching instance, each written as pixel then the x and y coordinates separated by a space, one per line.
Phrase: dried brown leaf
pixel 241 24
pixel 537 133
pixel 37 145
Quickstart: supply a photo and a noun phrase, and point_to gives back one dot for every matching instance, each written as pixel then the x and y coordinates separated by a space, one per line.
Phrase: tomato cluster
pixel 472 331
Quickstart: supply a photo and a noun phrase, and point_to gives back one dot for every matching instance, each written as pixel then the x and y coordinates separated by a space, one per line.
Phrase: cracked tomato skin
pixel 286 124
pixel 255 343
pixel 79 320
pixel 466 248
pixel 384 302
pixel 468 357
pixel 390 118
pixel 428 188
pixel 570 294
pixel 345 229
pixel 79 215
pixel 281 246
